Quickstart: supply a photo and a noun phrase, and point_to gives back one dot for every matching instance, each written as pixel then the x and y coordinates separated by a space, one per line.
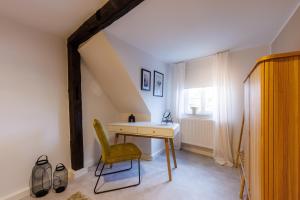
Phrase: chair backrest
pixel 105 147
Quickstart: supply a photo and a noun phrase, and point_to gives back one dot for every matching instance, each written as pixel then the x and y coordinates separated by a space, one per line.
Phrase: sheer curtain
pixel 177 105
pixel 222 115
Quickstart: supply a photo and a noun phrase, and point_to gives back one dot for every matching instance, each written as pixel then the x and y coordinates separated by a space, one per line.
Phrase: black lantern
pixel 60 178
pixel 41 177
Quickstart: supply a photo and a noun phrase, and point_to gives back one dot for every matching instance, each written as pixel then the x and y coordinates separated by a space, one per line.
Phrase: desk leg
pixel 173 152
pixel 124 139
pixel 168 158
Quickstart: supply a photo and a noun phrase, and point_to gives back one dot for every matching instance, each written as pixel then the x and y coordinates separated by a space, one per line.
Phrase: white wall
pixel 134 59
pixel 95 104
pixel 241 63
pixel 288 39
pixel 199 73
pixel 34 117
pixel 116 67
pixel 103 61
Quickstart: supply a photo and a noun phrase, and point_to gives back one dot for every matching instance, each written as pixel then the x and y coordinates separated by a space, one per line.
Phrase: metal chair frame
pixel 101 174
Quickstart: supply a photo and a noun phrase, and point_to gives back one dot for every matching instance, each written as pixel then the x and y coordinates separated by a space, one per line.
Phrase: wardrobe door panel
pixel 292 148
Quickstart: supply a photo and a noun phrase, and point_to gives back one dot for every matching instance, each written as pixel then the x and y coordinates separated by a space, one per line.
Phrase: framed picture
pixel 145 80
pixel 158 86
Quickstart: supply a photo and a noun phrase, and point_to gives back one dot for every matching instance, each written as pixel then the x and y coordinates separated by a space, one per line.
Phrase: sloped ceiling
pixel 175 30
pixel 59 17
pixel 171 30
pixel 105 64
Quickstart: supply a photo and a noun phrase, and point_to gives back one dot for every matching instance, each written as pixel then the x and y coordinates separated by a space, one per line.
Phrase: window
pixel 199 101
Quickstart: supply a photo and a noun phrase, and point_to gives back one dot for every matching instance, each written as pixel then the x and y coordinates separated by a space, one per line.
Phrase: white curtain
pixel 222 115
pixel 177 103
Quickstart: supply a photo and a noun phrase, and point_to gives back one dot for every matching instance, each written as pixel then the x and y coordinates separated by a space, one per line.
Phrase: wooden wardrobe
pixel 270 156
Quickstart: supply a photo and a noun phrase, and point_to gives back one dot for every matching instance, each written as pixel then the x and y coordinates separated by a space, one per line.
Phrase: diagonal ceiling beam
pixel 109 13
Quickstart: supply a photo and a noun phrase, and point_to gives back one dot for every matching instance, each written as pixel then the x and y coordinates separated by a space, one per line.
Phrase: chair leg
pixel 98 166
pixel 123 170
pixel 139 163
pixel 99 178
pixel 99 192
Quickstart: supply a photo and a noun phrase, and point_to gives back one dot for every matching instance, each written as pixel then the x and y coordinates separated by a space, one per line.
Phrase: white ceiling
pixel 60 17
pixel 175 30
pixel 172 30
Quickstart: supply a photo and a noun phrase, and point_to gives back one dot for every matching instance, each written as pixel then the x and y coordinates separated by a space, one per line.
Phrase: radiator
pixel 197 131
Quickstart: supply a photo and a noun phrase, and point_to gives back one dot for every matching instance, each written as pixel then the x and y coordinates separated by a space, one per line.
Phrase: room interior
pixel 145 99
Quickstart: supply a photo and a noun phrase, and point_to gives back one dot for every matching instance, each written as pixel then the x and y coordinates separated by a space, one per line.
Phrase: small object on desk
pixel 167 118
pixel 131 118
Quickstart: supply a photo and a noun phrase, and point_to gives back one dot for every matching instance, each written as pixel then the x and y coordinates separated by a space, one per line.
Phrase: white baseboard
pixel 152 156
pixel 146 157
pixel 17 195
pixel 198 150
pixel 91 163
pixel 73 175
pixel 157 153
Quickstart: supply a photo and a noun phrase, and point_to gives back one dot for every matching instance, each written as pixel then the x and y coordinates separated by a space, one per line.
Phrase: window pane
pixel 201 100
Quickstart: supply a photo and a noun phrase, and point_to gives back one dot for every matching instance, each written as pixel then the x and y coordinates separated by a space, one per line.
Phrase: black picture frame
pixel 145 80
pixel 158 84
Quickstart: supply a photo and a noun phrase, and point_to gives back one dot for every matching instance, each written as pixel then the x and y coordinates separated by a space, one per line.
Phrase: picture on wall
pixel 145 80
pixel 158 84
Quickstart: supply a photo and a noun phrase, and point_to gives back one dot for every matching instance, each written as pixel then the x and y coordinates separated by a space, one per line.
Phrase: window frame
pixel 203 104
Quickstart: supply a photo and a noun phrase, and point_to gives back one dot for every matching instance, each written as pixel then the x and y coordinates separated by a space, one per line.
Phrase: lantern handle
pixel 39 161
pixel 60 167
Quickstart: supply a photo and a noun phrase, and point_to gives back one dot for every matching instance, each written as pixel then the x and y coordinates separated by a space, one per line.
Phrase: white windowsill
pixel 191 116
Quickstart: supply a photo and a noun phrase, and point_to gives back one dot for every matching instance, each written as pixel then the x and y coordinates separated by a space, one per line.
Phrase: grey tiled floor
pixel 196 178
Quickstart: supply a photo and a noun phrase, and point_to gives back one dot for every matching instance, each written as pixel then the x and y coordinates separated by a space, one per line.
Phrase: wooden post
pixel 75 108
pixel 109 13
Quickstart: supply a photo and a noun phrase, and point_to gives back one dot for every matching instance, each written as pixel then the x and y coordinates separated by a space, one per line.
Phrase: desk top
pixel 173 126
pixel 146 129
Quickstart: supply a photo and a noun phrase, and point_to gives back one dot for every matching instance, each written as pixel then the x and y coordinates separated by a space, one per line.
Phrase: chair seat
pixel 123 152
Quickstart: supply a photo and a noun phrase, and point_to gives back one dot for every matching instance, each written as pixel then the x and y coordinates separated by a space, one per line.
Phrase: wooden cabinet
pixel 271 141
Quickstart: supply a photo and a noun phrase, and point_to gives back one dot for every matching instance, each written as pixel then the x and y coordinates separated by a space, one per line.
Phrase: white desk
pixel 166 132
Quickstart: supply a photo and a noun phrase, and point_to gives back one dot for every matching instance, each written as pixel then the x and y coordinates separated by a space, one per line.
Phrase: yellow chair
pixel 114 154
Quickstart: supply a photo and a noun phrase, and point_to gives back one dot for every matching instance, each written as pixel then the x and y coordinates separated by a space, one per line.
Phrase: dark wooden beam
pixel 109 13
pixel 75 108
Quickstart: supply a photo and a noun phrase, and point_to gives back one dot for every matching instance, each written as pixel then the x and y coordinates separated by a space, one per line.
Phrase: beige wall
pixel 109 70
pixel 34 117
pixel 116 67
pixel 95 104
pixel 289 37
pixel 241 63
pixel 134 59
